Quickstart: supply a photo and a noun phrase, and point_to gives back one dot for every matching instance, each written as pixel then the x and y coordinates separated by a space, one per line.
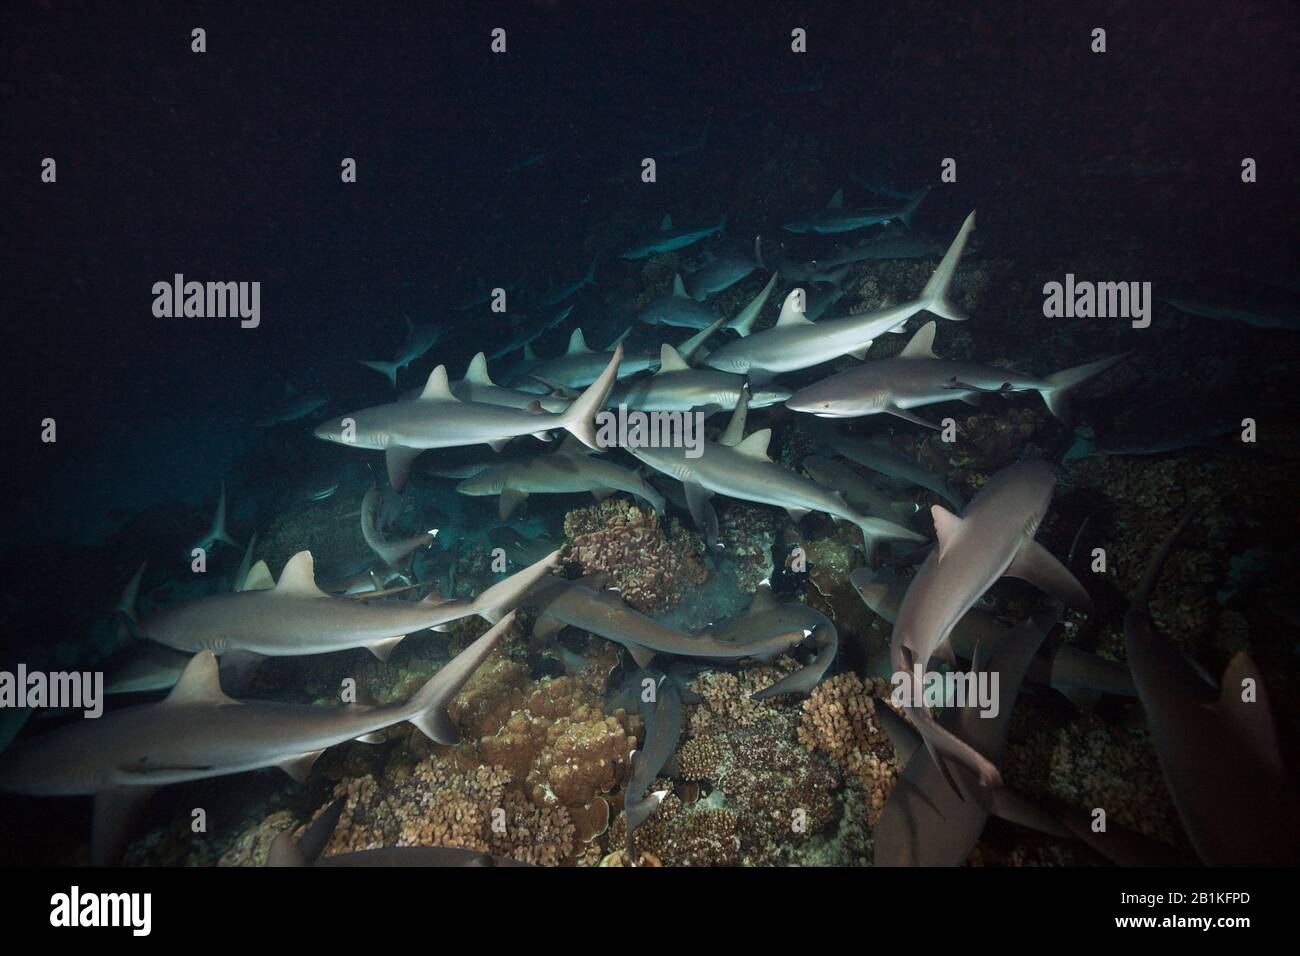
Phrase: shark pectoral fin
pixel 1038 566
pixel 861 353
pixel 600 494
pixel 642 655
pixel 299 767
pixel 909 417
pixel 383 649
pixel 116 812
pixel 399 459
pixel 510 500
pixel 374 738
pixel 544 436
pixel 796 514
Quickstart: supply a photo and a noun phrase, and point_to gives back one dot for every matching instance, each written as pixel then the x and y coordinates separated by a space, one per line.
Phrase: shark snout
pixel 809 402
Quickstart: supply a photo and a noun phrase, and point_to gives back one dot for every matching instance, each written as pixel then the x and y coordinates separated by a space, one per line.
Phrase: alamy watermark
pixel 1098 300
pixel 76 690
pixel 208 300
pixel 636 429
pixel 933 689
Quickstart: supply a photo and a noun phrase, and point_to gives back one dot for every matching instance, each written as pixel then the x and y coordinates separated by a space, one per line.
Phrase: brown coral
pixel 650 567
pixel 839 720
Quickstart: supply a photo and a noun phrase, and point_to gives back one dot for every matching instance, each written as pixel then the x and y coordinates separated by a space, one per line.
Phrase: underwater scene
pixel 671 434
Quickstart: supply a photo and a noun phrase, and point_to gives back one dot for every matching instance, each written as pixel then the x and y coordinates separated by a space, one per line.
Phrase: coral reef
pixel 839 720
pixel 651 567
pixel 747 535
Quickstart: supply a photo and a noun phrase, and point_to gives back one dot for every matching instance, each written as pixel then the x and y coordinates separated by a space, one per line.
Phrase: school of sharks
pixel 830 376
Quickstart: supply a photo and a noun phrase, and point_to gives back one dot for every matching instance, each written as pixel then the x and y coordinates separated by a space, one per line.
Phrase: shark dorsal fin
pixel 437 388
pixel 763 599
pixel 665 223
pixel 736 427
pixel 837 201
pixel 792 311
pixel 755 446
pixel 259 578
pixel 679 287
pixel 199 683
pixel 670 360
pixel 529 354
pixel 946 525
pixel 299 577
pixel 921 345
pixel 477 371
pixel 577 343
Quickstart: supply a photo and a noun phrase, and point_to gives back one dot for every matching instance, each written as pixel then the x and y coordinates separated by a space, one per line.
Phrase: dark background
pixel 225 166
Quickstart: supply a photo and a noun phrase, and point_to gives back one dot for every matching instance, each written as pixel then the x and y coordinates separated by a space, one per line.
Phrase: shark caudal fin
pixel 1057 388
pixel 934 297
pixel 387 369
pixel 916 200
pixel 496 600
pixel 589 278
pixel 128 605
pixel 429 705
pixel 744 322
pixel 940 741
pixel 285 852
pixel 877 530
pixel 217 532
pixel 579 417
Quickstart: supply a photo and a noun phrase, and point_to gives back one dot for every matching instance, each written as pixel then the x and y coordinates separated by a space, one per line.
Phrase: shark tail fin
pixel 387 369
pixel 128 605
pixel 939 740
pixel 877 530
pixel 1056 391
pixel 744 322
pixel 285 852
pixel 579 417
pixel 429 705
pixel 493 602
pixel 219 532
pixel 590 277
pixel 916 200
pixel 934 297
